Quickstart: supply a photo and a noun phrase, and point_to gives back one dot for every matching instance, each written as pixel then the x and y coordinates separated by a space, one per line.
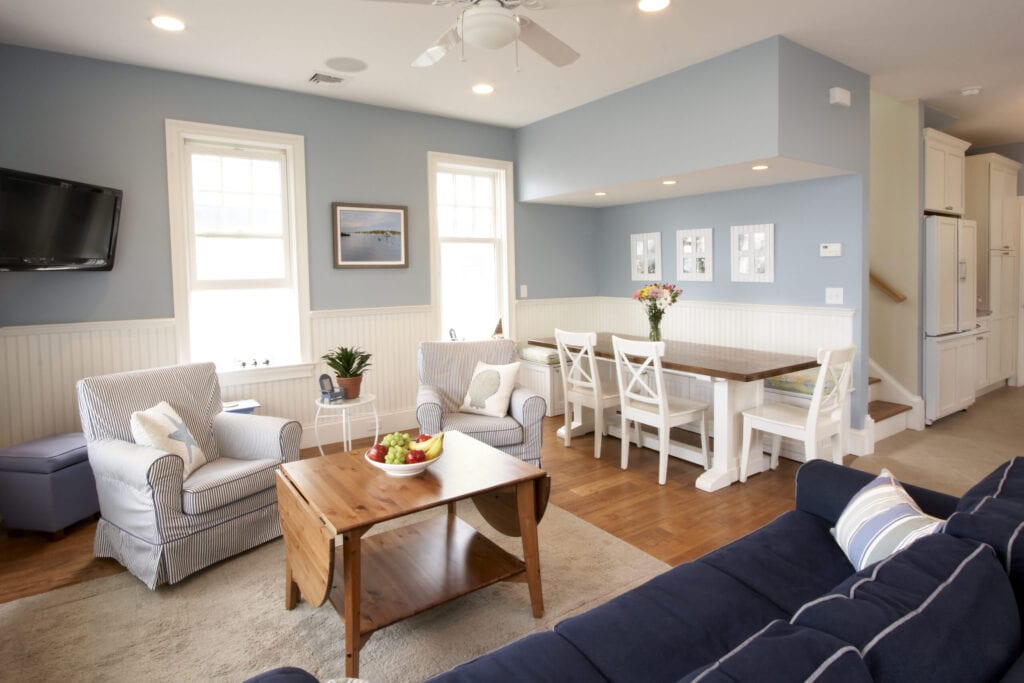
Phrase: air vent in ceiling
pixel 318 77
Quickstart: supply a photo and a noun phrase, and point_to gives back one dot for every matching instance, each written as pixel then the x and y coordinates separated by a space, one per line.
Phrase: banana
pixel 436 446
pixel 427 445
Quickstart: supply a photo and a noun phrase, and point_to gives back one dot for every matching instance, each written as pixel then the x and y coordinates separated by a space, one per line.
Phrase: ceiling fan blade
pixel 435 53
pixel 544 43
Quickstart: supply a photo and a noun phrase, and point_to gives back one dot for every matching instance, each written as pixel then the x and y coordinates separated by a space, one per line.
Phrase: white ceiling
pixel 926 49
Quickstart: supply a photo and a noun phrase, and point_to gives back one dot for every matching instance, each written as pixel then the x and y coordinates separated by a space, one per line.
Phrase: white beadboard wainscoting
pixel 41 363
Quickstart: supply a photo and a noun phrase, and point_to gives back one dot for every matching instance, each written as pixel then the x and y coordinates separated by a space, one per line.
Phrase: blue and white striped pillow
pixel 881 519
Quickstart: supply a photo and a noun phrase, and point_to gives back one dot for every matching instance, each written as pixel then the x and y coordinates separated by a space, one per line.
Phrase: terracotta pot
pixel 351 385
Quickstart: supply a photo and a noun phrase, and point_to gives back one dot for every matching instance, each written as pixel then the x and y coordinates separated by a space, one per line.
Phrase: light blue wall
pixel 718 112
pixel 1013 151
pixel 103 123
pixel 556 251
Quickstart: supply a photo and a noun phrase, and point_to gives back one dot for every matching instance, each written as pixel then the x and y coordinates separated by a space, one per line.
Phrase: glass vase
pixel 655 333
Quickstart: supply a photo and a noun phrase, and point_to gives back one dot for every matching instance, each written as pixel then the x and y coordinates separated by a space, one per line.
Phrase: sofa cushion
pixel 948 593
pixel 788 561
pixel 999 523
pixel 789 653
pixel 879 520
pixel 537 658
pixel 1006 481
pixel 670 625
pixel 493 431
pixel 224 481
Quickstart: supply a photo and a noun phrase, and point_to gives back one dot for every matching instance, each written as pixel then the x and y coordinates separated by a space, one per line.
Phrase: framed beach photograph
pixel 369 236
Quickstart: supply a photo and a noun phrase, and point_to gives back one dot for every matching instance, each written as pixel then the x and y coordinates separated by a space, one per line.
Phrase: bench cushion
pixel 45 455
pixel 948 593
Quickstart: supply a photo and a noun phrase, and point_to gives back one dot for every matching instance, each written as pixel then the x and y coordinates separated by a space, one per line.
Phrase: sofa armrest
pixel 132 482
pixel 429 409
pixel 824 489
pixel 527 407
pixel 257 437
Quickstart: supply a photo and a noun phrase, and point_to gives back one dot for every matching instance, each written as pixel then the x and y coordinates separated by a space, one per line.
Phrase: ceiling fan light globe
pixel 488 28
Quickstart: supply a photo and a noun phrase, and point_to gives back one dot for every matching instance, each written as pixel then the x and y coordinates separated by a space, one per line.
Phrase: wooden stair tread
pixel 881 410
pixel 874 380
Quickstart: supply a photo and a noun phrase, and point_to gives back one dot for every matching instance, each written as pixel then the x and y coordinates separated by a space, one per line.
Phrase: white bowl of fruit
pixel 401 456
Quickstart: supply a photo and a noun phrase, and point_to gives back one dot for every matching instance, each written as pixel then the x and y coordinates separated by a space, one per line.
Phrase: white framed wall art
pixel 753 253
pixel 645 256
pixel 694 255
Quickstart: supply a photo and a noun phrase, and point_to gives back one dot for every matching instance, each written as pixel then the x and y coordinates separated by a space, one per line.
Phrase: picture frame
pixel 695 255
pixel 645 256
pixel 370 235
pixel 753 253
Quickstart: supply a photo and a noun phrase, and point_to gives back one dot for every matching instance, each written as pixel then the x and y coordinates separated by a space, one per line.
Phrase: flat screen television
pixel 55 224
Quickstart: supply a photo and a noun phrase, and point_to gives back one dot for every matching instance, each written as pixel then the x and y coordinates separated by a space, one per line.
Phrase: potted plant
pixel 348 363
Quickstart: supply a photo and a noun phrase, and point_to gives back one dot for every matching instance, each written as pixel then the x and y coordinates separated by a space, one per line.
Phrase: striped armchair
pixel 445 369
pixel 158 524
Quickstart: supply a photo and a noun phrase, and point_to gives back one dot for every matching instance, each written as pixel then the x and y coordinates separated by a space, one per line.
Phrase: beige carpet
pixel 958 450
pixel 229 622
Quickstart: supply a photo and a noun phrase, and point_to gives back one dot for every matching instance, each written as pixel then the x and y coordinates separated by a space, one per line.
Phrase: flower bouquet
pixel 656 298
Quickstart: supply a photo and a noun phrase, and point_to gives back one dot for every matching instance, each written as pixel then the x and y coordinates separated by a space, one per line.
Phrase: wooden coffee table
pixel 384 578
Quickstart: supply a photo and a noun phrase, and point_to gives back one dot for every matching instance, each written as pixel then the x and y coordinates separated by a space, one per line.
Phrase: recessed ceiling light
pixel 653 5
pixel 970 90
pixel 759 167
pixel 600 194
pixel 669 182
pixel 483 88
pixel 346 64
pixel 168 23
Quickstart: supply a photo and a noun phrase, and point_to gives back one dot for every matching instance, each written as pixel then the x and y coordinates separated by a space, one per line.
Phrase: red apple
pixel 378 452
pixel 423 437
pixel 414 456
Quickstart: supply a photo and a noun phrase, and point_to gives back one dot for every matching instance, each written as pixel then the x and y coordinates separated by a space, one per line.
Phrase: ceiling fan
pixel 491 25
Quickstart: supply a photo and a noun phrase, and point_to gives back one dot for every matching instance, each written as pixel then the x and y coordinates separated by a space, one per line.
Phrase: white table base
pixel 344 418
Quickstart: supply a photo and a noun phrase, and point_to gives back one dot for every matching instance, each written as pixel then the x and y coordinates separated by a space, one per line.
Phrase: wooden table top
pixel 742 365
pixel 350 493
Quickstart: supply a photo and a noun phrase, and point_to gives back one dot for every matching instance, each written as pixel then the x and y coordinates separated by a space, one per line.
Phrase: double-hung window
pixel 238 245
pixel 471 219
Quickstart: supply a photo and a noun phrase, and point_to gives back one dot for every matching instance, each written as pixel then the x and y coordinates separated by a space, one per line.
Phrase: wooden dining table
pixel 736 376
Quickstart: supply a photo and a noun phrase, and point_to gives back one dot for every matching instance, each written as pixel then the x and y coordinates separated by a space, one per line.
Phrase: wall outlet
pixel 830 249
pixel 522 291
pixel 834 295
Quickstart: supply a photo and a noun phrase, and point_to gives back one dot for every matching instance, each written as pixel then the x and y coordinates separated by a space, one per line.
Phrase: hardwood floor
pixel 675 522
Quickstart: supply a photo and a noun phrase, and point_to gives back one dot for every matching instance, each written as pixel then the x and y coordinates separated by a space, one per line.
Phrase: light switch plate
pixel 830 249
pixel 522 291
pixel 833 295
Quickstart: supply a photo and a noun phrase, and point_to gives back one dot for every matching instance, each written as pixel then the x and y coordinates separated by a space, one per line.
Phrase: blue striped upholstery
pixel 445 370
pixel 158 525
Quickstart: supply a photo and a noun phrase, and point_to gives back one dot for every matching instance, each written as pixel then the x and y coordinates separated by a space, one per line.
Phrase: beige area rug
pixel 228 623
pixel 957 451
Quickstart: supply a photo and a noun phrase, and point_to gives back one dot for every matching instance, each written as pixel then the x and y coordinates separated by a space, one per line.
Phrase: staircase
pixel 891 408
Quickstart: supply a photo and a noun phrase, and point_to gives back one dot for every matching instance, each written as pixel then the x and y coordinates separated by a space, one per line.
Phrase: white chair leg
pixel 598 430
pixel 604 421
pixel 624 464
pixel 811 448
pixel 837 449
pixel 663 454
pixel 745 450
pixel 639 440
pixel 776 449
pixel 704 439
pixel 567 437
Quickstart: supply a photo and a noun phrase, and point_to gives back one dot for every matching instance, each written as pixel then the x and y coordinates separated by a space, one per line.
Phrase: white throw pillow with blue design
pixel 162 428
pixel 881 519
pixel 490 389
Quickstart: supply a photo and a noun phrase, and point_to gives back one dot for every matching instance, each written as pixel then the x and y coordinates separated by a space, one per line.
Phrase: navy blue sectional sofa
pixel 785 604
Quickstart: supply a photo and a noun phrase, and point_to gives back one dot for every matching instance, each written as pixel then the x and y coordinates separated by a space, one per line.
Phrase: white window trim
pixel 177 133
pixel 435 159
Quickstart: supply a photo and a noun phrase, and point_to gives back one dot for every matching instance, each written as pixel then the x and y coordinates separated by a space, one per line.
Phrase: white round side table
pixel 338 411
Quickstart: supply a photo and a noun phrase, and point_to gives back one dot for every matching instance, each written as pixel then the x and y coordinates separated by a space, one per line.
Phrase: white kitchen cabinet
pixel 546 380
pixel 991 196
pixel 981 356
pixel 943 172
pixel 949 378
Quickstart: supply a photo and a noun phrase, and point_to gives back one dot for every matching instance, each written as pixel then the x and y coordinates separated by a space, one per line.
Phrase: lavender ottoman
pixel 47 484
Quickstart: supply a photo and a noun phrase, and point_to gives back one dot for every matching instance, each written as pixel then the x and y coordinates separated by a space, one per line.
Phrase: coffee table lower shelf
pixel 413 568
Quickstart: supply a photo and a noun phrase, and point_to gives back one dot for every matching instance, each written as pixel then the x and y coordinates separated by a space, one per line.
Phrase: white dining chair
pixel 581 383
pixel 823 419
pixel 644 400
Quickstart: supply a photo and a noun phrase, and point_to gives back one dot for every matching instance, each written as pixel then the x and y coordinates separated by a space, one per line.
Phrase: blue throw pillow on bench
pixel 950 594
pixel 784 652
